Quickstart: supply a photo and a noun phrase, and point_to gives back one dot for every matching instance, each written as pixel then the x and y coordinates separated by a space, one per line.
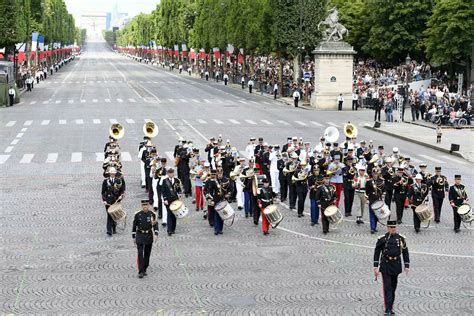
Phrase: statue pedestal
pixel 333 74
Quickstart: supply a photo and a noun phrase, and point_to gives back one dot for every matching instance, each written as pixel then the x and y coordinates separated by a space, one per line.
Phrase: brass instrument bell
pixel 150 129
pixel 116 131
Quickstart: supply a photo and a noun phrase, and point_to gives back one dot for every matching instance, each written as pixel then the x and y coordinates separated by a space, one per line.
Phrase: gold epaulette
pixel 380 237
pixel 137 212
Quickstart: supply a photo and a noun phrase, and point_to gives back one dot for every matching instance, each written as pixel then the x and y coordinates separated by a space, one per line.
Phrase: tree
pixel 450 32
pixel 13 25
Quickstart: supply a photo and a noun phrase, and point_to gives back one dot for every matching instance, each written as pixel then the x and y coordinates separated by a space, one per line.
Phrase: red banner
pixel 240 59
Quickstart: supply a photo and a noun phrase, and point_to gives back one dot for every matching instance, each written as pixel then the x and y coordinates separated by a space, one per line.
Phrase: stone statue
pixel 334 30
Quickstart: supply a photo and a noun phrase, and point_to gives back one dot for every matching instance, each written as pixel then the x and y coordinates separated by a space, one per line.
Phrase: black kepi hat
pixel 145 201
pixel 391 223
pixel 457 177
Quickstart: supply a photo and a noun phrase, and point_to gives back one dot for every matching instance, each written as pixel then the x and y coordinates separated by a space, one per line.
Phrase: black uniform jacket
pixel 144 225
pixel 388 252
pixel 112 191
pixel 170 192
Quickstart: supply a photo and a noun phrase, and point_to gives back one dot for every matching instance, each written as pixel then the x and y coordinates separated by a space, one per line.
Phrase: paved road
pixel 56 257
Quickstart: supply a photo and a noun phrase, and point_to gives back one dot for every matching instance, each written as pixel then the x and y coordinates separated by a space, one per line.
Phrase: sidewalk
pixel 426 136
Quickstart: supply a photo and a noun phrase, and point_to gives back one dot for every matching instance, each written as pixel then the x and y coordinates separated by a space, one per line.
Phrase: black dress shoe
pixel 300 215
pixel 140 275
pixel 246 215
pixel 372 231
pixel 325 232
pixel 145 274
pixel 216 233
pixel 169 234
pixel 348 215
pixel 417 230
pixel 109 234
pixel 255 222
pixel 163 224
pixel 143 186
pixel 265 233
pixel 312 224
pixel 457 230
pixel 240 208
pixel 220 233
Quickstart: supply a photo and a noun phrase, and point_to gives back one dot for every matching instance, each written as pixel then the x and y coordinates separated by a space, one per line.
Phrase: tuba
pixel 350 130
pixel 331 134
pixel 150 129
pixel 116 131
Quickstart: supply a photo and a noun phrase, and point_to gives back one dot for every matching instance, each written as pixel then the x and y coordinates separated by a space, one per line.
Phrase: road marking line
pixel 58 101
pixel 283 122
pixel 267 122
pixel 20 135
pixel 9 149
pixel 431 158
pixel 218 121
pixel 52 158
pixel 11 123
pixel 119 100
pixel 96 121
pixel 24 129
pixel 79 121
pixel 113 121
pixel 242 101
pixel 125 156
pixel 99 81
pixel 27 158
pixel 45 102
pixel 455 160
pixel 28 123
pixel 33 102
pixel 130 121
pixel 234 122
pixel 76 157
pixel 251 122
pixel 253 102
pixel 132 100
pixel 301 123
pixel 266 102
pixel 107 100
pixel 332 124
pixel 70 101
pixel 198 132
pixel 83 101
pixel 14 142
pixel 195 101
pixel 62 122
pixel 172 100
pixel 168 123
pixel 99 157
pixel 95 100
pixel 207 101
pixel 183 100
pixel 4 158
pixel 201 121
pixel 317 124
pixel 45 122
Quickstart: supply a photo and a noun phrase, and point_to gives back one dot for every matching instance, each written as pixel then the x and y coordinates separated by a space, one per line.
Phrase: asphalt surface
pixel 57 259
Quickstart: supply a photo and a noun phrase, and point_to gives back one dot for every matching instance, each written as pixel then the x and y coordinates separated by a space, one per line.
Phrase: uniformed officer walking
pixel 387 260
pixel 113 190
pixel 144 226
pixel 457 197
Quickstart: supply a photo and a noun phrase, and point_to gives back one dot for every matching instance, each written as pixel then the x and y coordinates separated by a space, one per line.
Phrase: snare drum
pixel 224 210
pixel 179 209
pixel 381 210
pixel 465 212
pixel 116 211
pixel 333 214
pixel 424 212
pixel 273 215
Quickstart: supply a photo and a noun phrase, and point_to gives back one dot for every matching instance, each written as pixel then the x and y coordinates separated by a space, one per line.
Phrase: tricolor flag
pixel 34 41
pixel 41 42
pixel 202 53
pixel 217 53
pixel 176 50
pixel 184 48
pixel 240 56
pixel 192 53
pixel 230 50
pixel 20 47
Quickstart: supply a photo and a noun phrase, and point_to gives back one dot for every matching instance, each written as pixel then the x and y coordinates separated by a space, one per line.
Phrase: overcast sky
pixel 132 7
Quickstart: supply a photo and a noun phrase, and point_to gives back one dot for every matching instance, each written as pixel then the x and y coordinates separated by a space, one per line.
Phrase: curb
pixel 467 127
pixel 454 153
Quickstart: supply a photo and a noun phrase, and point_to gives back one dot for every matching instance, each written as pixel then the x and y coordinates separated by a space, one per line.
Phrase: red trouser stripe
pixel 384 298
pixel 264 221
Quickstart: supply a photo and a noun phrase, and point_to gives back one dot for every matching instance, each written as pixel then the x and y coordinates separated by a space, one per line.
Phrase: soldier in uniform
pixel 146 153
pixel 291 165
pixel 387 260
pixel 388 173
pixel 171 191
pixel 326 195
pixel 265 198
pixel 141 148
pixel 247 175
pixel 211 191
pixel 348 173
pixel 425 174
pixel 314 181
pixel 301 186
pixel 143 229
pixel 400 189
pixel 113 190
pixel 160 174
pixel 283 180
pixel 374 190
pixel 439 189
pixel 417 194
pixel 457 197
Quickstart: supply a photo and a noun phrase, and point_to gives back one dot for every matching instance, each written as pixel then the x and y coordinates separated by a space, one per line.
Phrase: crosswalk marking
pixel 132 100
pixel 172 100
pixel 283 122
pixel 113 121
pixel 33 102
pixel 96 121
pixel 431 158
pixel 234 122
pixel 45 102
pixel 24 129
pixel 169 154
pixel 11 123
pixel 20 135
pixel 267 122
pixel 207 101
pixel 455 160
pixel 125 156
pixel 62 122
pixel 95 100
pixel 251 122
pixel 301 123
pixel 202 121
pixel 218 122
pixel 183 100
pixel 76 157
pixel 317 124
pixel 4 158
pixel 130 121
pixel 9 149
pixel 107 100
pixel 14 142
pixel 99 156
pixel 119 100
pixel 253 102
pixel 28 123
pixel 57 101
pixel 27 158
pixel 332 124
pixel 45 122
pixel 52 158
pixel 83 101
pixel 195 101
pixel 79 121
pixel 70 101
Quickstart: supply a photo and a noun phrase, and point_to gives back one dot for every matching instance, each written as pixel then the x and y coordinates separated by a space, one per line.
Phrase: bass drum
pixel 179 209
pixel 333 214
pixel 273 215
pixel 424 212
pixel 381 210
pixel 225 210
pixel 465 212
pixel 116 212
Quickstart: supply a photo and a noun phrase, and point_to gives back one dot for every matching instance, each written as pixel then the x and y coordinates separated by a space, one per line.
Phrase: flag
pixel 184 48
pixel 240 56
pixel 20 47
pixel 41 42
pixel 34 41
pixel 217 53
pixel 192 53
pixel 202 53
pixel 230 50
pixel 176 50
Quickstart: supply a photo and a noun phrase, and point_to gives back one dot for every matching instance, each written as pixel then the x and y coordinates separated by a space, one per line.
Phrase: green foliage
pixel 80 36
pixel 450 32
pixel 13 24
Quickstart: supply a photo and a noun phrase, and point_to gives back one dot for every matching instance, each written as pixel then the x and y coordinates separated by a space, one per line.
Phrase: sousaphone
pixel 150 129
pixel 116 131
